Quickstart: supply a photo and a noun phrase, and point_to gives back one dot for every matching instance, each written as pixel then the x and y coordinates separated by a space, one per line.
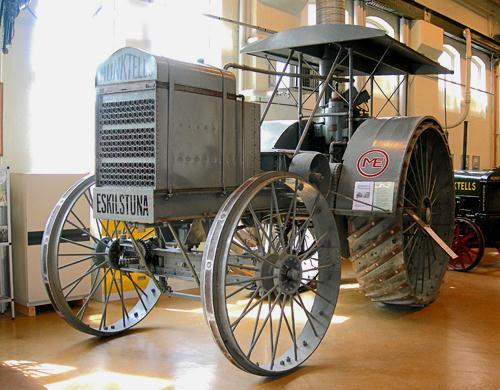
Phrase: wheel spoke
pixel 254 332
pixel 280 321
pixel 422 166
pixel 412 225
pixel 251 252
pixel 245 286
pixel 278 216
pixel 76 243
pixel 105 306
pixel 410 202
pixel 92 268
pixel 271 343
pixel 418 192
pixel 313 280
pixel 85 230
pixel 80 254
pixel 252 346
pixel 137 289
pixel 322 266
pixel 307 313
pixel 294 217
pixel 293 329
pixel 119 291
pixel 287 323
pixel 93 289
pixel 241 266
pixel 415 192
pixel 75 262
pixel 306 223
pixel 258 227
pixel 250 280
pixel 235 323
pixel 265 235
pixel 244 312
pixel 313 248
pixel 418 237
pixel 317 293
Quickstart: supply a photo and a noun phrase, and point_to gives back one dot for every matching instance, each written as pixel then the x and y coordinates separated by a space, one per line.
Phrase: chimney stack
pixel 330 11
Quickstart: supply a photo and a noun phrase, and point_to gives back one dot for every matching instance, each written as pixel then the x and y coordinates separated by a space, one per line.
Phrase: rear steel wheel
pixel 81 262
pixel 395 261
pixel 276 326
pixel 468 244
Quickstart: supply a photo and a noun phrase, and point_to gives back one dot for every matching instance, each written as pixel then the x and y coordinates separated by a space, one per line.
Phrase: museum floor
pixel 453 343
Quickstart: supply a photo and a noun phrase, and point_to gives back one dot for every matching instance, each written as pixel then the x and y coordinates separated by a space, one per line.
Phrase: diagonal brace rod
pixel 431 233
pixel 268 105
pixel 184 253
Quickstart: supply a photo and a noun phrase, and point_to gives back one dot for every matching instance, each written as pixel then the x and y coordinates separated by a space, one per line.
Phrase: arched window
pixel 387 83
pixel 380 24
pixel 479 100
pixel 450 58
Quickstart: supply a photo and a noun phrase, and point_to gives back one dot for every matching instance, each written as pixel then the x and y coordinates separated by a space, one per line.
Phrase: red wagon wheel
pixel 468 244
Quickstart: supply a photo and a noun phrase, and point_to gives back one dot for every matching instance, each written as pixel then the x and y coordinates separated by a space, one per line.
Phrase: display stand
pixel 6 276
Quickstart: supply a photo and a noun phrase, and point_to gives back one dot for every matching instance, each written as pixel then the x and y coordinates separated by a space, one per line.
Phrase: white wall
pixel 49 71
pixel 48 108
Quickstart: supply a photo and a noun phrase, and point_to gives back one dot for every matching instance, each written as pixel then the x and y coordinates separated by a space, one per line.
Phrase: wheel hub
pixel 290 274
pixel 120 253
pixel 283 271
pixel 101 246
pixel 114 254
pixel 426 210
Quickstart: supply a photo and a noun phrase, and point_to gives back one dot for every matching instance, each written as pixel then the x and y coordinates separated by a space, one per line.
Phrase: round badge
pixel 372 163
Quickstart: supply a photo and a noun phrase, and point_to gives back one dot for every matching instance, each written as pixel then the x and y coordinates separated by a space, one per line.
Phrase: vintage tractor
pixel 477 216
pixel 191 183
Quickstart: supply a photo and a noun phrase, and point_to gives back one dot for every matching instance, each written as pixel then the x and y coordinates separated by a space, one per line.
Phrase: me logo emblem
pixel 372 163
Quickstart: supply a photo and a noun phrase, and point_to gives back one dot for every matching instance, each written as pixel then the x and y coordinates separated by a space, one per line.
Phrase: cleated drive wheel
pixel 395 261
pixel 81 262
pixel 283 225
pixel 468 244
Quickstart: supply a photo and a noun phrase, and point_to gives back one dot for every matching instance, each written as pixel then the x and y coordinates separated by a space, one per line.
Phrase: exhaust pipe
pixel 330 11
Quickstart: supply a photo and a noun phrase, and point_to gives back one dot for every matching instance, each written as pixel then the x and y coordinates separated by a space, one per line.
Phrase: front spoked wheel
pixel 263 227
pixel 83 261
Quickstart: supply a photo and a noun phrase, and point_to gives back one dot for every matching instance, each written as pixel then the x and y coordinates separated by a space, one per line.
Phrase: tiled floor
pixel 453 343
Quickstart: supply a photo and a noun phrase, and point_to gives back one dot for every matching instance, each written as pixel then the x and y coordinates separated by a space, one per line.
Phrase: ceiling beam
pixel 413 10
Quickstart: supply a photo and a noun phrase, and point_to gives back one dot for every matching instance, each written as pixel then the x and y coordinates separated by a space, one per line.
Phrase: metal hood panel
pixel 368 46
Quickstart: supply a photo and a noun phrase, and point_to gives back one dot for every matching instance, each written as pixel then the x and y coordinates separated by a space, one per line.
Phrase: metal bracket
pixel 431 233
pixel 142 260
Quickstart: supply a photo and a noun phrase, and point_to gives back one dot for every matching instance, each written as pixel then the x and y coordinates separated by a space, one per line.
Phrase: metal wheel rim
pixel 214 286
pixel 427 175
pixel 146 297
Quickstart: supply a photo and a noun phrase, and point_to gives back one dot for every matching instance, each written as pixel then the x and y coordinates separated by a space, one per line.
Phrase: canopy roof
pixel 368 45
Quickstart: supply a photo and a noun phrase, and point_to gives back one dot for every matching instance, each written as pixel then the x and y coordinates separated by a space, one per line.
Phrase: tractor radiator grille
pixel 127 143
pixel 127 112
pixel 127 174
pixel 126 139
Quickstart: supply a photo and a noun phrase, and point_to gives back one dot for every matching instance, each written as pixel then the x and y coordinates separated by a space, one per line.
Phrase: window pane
pixel 452 90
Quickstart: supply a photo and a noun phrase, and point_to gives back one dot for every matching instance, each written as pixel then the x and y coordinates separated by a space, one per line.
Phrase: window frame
pixel 453 91
pixel 479 98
